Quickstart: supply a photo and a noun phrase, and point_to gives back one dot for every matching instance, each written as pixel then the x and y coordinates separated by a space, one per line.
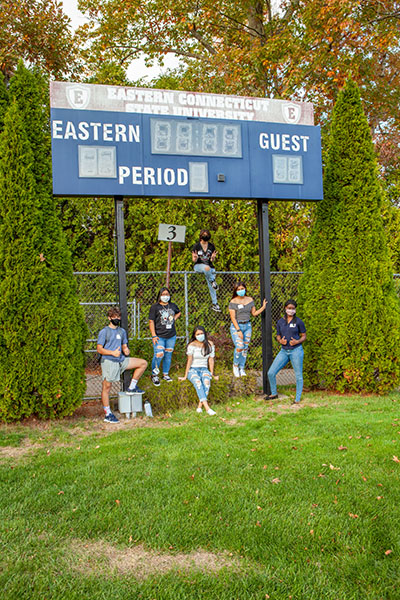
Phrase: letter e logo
pixel 291 112
pixel 78 96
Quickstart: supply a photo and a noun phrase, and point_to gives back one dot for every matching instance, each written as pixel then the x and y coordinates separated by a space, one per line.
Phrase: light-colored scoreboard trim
pixel 177 103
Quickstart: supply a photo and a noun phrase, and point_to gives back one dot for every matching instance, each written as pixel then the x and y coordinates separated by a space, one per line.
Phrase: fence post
pixel 186 308
pixel 119 228
pixel 265 281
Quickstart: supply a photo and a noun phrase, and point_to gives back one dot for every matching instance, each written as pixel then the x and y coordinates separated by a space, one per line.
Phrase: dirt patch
pixel 17 452
pixel 101 557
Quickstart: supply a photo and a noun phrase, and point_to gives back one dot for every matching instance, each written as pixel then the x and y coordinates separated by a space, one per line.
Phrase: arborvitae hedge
pixel 347 295
pixel 43 331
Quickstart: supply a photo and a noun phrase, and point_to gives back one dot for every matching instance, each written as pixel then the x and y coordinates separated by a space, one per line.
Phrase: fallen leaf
pixel 117 502
pixel 41 257
pixel 332 468
pixel 192 476
pixel 388 552
pixel 364 478
pixel 311 531
pixel 265 467
pixel 60 492
pixel 342 447
pixel 353 516
pixel 276 480
pixel 254 440
pixel 259 508
pixel 130 539
pixel 396 459
pixel 379 497
pixel 258 524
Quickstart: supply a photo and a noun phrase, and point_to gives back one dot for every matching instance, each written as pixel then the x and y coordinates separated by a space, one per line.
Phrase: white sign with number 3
pixel 171 233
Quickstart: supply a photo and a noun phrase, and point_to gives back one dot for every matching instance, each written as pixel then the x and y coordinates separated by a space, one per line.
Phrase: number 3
pixel 172 231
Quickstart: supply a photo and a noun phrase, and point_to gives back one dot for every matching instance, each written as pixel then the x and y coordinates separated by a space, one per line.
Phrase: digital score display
pixel 195 138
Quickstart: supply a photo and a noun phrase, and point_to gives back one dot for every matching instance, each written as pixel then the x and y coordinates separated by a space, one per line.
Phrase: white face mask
pixel 200 337
pixel 290 311
pixel 165 298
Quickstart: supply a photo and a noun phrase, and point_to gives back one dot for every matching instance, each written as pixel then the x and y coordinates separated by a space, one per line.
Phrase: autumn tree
pixel 37 32
pixel 347 293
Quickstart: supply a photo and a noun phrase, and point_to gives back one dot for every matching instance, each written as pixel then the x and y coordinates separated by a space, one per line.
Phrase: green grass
pixel 193 482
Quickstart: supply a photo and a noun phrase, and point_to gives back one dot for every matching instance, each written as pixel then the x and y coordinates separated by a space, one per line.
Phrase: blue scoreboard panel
pixel 110 153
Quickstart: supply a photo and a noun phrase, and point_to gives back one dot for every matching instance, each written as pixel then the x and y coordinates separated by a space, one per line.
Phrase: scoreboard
pixel 101 148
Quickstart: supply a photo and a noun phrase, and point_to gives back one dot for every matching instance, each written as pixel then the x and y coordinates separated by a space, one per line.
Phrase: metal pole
pixel 169 263
pixel 123 305
pixel 186 309
pixel 265 287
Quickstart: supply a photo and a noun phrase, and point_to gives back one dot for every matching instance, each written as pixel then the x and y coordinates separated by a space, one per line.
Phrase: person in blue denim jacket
pixel 200 367
pixel 241 308
pixel 291 333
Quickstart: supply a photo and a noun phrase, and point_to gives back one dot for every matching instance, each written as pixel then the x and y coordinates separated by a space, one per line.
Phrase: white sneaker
pixel 211 411
pixel 166 377
pixel 242 373
pixel 199 409
pixel 236 371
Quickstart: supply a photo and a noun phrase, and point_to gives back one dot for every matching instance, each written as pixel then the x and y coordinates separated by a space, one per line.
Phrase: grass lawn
pixel 265 500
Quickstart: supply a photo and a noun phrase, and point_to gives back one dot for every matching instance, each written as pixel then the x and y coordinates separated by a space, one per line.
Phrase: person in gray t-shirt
pixel 241 308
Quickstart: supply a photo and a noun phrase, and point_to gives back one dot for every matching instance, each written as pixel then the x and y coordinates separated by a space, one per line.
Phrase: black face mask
pixel 116 322
pixel 206 238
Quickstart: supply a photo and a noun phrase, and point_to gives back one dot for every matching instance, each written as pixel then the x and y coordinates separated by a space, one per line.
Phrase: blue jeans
pixel 241 345
pixel 200 377
pixel 210 277
pixel 164 347
pixel 295 356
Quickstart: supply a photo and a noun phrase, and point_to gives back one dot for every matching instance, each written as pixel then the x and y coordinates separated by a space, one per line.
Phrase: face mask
pixel 165 298
pixel 290 311
pixel 206 238
pixel 116 322
pixel 241 293
pixel 200 337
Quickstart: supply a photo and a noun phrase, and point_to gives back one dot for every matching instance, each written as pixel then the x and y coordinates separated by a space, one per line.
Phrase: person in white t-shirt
pixel 200 367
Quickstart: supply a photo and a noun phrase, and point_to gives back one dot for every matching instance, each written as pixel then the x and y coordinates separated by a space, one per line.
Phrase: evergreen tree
pixel 43 332
pixel 347 294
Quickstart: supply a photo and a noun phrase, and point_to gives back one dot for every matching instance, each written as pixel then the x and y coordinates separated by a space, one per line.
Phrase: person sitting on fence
pixel 112 345
pixel 162 317
pixel 241 307
pixel 291 333
pixel 203 255
pixel 200 367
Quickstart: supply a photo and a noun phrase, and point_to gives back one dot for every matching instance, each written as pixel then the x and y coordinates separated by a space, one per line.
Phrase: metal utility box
pixel 129 404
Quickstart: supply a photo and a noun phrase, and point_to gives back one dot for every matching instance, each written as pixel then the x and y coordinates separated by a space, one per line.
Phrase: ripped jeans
pixel 200 377
pixel 164 347
pixel 241 345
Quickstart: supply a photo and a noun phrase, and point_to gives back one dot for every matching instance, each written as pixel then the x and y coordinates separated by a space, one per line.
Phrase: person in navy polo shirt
pixel 291 333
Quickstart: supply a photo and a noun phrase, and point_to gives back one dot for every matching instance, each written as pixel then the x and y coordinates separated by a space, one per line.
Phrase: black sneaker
pixel 135 390
pixel 214 284
pixel 155 379
pixel 111 418
pixel 216 308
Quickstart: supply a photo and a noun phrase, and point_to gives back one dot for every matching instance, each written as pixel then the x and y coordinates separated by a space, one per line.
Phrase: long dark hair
pixel 236 286
pixel 206 233
pixel 285 316
pixel 207 348
pixel 163 289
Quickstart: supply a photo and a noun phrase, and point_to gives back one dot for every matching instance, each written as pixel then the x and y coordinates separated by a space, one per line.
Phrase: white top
pixel 198 359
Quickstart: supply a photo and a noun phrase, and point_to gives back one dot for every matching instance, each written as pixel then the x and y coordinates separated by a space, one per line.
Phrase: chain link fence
pixel 98 291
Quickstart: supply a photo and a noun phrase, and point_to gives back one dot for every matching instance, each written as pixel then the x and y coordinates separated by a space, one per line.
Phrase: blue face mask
pixel 241 293
pixel 200 337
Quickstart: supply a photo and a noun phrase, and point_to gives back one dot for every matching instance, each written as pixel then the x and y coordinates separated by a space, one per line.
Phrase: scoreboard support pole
pixel 265 288
pixel 121 266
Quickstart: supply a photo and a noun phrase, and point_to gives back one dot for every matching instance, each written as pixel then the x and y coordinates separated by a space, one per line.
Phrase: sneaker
pixel 166 377
pixel 216 308
pixel 211 411
pixel 156 371
pixel 236 371
pixel 242 373
pixel 111 418
pixel 199 409
pixel 135 390
pixel 214 284
pixel 155 379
